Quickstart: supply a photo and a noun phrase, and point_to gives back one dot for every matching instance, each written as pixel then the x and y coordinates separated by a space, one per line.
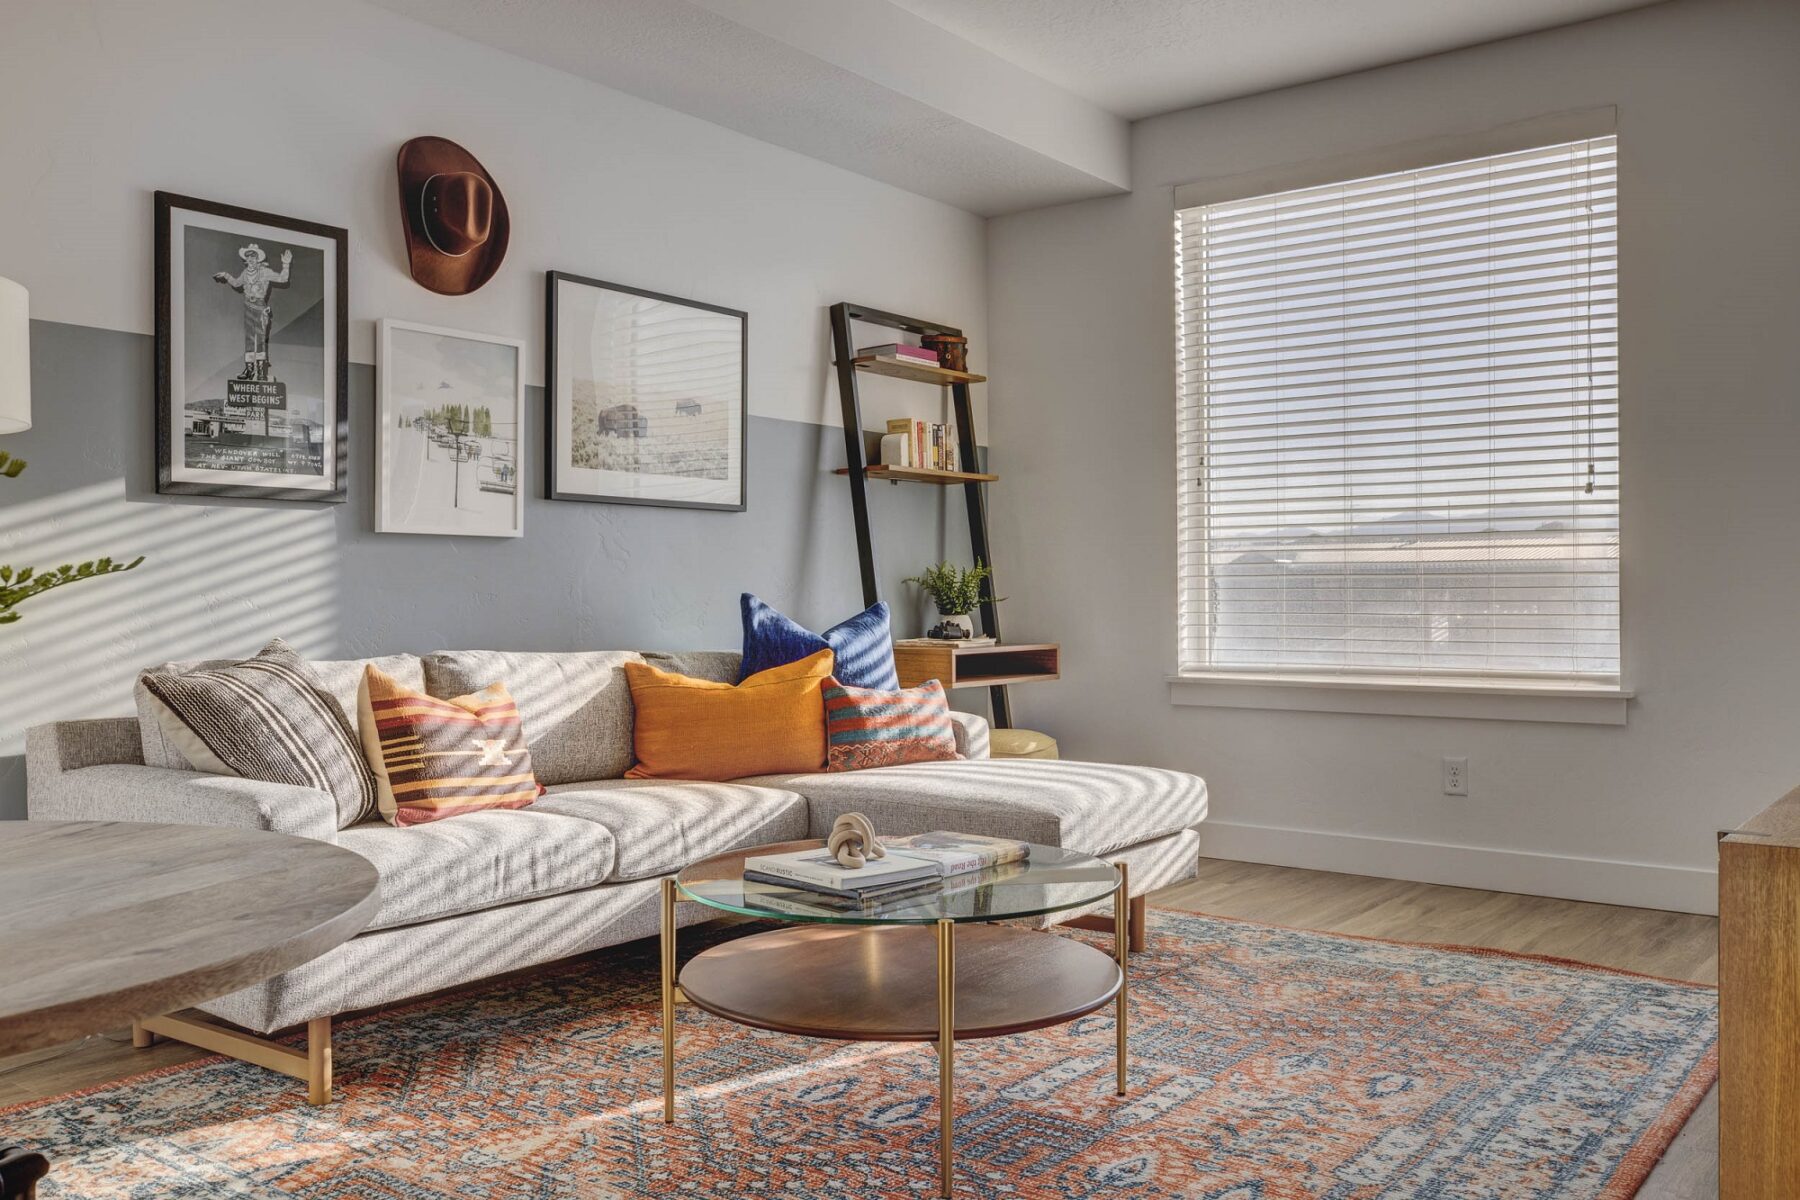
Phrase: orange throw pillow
pixel 770 724
pixel 441 758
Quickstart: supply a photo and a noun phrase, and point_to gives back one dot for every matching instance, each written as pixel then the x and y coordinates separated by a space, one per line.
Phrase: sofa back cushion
pixel 339 677
pixel 575 705
pixel 718 666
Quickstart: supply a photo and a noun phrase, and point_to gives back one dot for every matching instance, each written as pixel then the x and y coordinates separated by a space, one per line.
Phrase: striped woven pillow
pixel 879 727
pixel 437 758
pixel 266 718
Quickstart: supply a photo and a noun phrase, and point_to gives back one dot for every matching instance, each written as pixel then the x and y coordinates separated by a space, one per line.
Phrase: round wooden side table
pixel 103 923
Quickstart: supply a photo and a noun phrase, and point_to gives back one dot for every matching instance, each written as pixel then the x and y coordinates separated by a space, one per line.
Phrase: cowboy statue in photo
pixel 259 315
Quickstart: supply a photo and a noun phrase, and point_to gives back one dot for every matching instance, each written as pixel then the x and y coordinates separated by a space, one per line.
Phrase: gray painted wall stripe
pixel 223 576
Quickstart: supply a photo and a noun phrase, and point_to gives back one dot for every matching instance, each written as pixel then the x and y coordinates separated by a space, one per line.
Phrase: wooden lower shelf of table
pixel 879 983
pixel 978 666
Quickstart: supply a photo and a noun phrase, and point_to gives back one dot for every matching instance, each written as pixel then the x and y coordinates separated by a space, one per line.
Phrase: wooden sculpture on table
pixel 853 842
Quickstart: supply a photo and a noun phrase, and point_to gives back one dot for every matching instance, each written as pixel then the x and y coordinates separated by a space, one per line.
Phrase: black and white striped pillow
pixel 266 718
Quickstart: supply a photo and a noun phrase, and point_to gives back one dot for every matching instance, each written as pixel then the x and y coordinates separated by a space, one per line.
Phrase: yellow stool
pixel 1021 743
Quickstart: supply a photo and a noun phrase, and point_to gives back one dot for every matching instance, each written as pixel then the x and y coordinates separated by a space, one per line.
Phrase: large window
pixel 1399 420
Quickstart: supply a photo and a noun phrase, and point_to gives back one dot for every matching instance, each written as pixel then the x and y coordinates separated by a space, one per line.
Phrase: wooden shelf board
pixel 965 680
pixel 937 376
pixel 920 475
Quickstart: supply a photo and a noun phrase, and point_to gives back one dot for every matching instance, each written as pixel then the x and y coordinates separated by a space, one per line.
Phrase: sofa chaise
pixel 491 892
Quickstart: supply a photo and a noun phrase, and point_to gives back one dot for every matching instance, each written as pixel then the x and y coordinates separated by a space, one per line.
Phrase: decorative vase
pixel 952 351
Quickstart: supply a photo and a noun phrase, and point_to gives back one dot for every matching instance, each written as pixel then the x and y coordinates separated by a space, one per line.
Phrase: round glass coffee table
pixel 927 966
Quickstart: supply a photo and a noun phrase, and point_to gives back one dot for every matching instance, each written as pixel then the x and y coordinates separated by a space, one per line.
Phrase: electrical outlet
pixel 1456 777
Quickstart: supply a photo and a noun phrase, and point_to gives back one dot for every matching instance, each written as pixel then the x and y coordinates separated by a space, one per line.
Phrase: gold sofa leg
pixel 311 1066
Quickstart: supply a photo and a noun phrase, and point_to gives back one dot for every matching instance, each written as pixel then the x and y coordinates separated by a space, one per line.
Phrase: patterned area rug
pixel 1269 1064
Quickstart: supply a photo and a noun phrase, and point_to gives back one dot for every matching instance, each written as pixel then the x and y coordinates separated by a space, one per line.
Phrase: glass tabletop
pixel 1049 880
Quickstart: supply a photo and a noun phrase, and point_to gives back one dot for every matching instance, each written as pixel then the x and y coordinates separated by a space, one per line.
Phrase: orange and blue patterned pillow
pixel 437 758
pixel 885 727
pixel 862 647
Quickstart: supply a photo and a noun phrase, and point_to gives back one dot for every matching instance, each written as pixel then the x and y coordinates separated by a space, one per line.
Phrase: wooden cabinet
pixel 1759 1006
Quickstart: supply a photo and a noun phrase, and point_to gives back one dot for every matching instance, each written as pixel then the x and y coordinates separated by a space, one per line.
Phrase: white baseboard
pixel 1604 881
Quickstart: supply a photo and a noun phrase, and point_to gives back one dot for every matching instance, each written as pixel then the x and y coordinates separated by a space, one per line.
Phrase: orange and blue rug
pixel 1268 1064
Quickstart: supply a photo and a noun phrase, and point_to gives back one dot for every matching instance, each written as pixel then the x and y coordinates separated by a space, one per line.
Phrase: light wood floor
pixel 1676 945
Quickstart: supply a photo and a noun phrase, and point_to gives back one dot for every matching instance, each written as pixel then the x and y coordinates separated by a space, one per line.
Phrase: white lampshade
pixel 15 358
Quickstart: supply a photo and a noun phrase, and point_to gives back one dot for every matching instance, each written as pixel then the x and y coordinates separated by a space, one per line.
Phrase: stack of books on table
pixel 916 864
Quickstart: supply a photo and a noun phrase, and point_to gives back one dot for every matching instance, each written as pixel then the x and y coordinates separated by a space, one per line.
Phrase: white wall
pixel 1083 358
pixel 298 109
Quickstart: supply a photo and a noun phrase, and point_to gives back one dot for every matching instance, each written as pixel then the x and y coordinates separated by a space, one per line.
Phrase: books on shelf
pixel 922 445
pixel 912 356
pixel 911 864
pixel 931 641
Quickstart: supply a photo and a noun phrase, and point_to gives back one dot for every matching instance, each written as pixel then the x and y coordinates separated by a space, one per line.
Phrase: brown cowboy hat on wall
pixel 454 216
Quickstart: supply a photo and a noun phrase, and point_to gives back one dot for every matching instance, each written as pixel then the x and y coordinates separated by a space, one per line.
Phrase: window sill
pixel 1567 703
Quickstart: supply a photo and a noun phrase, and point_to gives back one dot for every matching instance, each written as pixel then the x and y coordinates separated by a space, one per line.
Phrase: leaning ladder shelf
pixel 860 471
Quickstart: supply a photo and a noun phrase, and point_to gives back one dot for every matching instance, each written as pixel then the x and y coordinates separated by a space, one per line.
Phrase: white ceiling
pixel 1137 58
pixel 991 105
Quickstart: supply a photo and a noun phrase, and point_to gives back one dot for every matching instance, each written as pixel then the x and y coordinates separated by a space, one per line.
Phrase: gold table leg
pixel 1122 950
pixel 668 999
pixel 946 1048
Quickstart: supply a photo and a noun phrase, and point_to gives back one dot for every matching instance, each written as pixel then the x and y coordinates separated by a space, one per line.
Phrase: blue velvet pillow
pixel 863 647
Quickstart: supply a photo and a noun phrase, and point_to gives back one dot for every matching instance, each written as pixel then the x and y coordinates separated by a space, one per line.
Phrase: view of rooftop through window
pixel 1398 423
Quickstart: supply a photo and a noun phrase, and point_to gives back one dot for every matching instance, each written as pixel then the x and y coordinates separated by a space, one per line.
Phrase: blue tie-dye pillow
pixel 862 646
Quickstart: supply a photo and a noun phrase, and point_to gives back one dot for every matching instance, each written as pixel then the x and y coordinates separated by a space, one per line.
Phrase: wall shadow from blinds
pixel 1398 424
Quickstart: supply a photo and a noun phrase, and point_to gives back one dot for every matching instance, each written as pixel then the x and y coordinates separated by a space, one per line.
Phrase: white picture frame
pixel 450 431
pixel 646 397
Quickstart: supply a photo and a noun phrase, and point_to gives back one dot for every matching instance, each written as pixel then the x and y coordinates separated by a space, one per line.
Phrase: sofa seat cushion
pixel 479 860
pixel 661 826
pixel 575 705
pixel 1092 807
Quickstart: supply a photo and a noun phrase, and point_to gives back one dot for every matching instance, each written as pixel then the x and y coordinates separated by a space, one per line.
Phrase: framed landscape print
pixel 646 397
pixel 253 373
pixel 449 415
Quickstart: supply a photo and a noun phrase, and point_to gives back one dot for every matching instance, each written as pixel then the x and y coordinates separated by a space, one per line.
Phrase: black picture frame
pixel 553 400
pixel 338 377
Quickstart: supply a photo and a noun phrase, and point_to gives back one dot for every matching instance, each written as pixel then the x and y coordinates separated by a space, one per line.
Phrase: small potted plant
pixel 956 592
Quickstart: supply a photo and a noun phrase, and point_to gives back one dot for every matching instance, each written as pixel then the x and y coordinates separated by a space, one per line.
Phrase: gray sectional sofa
pixel 490 892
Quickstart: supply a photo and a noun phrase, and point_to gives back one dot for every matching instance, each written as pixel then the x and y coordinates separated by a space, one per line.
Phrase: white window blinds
pixel 1398 427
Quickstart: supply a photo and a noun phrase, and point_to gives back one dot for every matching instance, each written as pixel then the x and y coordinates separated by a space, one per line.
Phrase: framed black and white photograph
pixel 646 397
pixel 449 414
pixel 252 366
